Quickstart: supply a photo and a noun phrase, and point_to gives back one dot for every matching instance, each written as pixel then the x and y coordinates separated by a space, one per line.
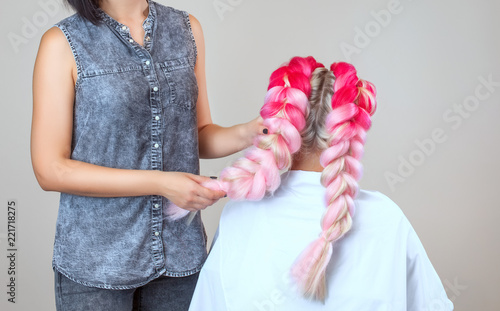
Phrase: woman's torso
pixel 135 108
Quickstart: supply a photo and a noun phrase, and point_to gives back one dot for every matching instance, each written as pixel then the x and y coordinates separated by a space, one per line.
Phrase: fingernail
pixel 213 177
pixel 265 131
pixel 225 196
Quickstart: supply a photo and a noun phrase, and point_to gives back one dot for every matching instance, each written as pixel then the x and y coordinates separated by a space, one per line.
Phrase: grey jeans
pixel 164 293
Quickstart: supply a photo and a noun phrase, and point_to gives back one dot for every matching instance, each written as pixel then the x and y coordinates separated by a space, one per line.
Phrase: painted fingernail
pixel 225 196
pixel 213 177
pixel 265 131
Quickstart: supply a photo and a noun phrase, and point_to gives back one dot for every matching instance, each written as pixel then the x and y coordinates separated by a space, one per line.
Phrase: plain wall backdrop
pixel 433 147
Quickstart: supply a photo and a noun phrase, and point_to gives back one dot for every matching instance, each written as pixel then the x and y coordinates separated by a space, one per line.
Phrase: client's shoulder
pixel 375 205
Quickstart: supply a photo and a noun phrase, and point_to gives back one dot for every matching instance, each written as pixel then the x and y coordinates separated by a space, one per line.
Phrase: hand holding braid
pixel 353 102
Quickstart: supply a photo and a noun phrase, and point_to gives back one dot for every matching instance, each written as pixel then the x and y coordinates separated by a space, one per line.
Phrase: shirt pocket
pixel 182 83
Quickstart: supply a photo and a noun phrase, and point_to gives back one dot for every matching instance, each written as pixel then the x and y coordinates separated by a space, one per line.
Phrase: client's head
pixel 317 119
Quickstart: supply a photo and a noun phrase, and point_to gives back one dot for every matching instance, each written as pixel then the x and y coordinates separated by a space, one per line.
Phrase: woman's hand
pixel 252 129
pixel 185 191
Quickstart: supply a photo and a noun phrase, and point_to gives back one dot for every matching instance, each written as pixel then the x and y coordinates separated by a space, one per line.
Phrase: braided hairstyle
pixel 352 105
pixel 301 117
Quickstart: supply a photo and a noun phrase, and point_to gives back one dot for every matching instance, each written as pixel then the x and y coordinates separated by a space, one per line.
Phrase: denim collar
pixel 147 24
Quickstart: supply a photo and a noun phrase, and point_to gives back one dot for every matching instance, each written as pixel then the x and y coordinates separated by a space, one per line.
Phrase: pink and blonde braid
pixel 353 103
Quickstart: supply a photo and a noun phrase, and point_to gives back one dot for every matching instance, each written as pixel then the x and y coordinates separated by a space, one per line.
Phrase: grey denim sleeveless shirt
pixel 135 108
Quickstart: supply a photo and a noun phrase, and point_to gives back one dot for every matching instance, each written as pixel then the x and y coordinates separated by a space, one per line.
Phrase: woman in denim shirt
pixel 120 119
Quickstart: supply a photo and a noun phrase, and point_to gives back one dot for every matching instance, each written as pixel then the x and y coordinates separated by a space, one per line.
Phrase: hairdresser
pixel 120 119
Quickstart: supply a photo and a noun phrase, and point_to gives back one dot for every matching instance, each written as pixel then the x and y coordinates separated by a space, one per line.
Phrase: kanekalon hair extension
pixel 353 103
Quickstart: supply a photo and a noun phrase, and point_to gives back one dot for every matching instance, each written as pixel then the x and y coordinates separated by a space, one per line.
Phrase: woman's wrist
pixel 161 183
pixel 248 132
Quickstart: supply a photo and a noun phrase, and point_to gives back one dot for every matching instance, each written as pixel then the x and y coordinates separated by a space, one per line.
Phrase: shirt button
pixel 157 233
pixel 157 118
pixel 156 145
pixel 155 89
pixel 157 205
pixel 124 27
pixel 148 38
pixel 148 62
pixel 130 40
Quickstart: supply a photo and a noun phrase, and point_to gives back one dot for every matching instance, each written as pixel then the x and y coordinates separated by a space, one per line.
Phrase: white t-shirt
pixel 379 265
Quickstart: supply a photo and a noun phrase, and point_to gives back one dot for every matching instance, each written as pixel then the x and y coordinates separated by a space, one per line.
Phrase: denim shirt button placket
pixel 156 138
pixel 125 32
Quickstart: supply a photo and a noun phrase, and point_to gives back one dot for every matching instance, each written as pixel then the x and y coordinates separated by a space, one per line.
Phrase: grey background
pixel 426 59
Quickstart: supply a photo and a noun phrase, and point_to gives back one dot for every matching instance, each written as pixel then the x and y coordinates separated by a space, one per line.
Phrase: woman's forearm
pixel 80 178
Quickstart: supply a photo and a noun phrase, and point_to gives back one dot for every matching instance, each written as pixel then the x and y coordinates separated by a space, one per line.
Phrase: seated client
pixel 309 239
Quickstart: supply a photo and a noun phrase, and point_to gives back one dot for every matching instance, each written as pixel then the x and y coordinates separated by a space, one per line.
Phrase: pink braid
pixel 353 103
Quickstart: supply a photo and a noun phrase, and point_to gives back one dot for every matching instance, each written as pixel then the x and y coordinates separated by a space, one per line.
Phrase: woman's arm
pixel 216 141
pixel 53 99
